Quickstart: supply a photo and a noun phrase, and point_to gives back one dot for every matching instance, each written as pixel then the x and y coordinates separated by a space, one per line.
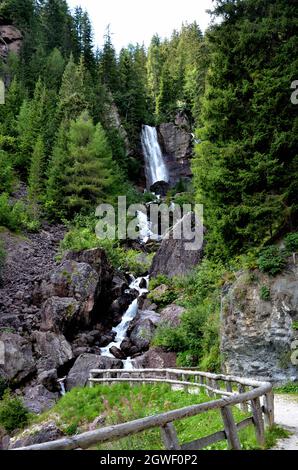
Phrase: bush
pixel 13 414
pixel 17 216
pixel 291 242
pixel 6 173
pixel 3 387
pixel 271 260
pixel 265 293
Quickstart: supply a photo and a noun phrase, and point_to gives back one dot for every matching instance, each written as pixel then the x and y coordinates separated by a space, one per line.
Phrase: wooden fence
pixel 227 391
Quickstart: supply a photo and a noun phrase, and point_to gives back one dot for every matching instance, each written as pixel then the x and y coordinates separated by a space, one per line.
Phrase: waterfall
pixel 156 169
pixel 121 329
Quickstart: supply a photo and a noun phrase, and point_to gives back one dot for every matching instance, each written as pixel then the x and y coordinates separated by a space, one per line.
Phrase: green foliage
pixel 271 260
pixel 288 388
pixel 120 403
pixel 6 172
pixel 3 387
pixel 245 168
pixel 36 171
pixel 197 338
pixel 295 325
pixel 291 242
pixel 17 216
pixel 159 280
pixel 265 293
pixel 13 414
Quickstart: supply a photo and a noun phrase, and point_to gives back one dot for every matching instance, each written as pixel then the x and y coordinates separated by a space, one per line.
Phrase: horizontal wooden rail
pixel 235 393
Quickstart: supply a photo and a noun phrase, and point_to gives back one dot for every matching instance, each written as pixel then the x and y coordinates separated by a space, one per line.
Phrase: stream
pixel 129 315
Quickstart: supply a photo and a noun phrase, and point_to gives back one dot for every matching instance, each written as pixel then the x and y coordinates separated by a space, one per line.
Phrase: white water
pixel 121 329
pixel 145 227
pixel 156 169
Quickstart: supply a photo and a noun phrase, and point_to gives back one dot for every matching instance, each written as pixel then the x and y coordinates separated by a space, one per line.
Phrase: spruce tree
pixel 36 171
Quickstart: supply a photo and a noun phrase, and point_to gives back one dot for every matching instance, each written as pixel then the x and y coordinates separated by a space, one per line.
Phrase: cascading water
pixel 121 329
pixel 156 169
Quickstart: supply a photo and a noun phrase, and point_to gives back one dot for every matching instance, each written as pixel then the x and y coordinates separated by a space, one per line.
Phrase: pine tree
pixel 36 171
pixel 108 64
pixel 72 99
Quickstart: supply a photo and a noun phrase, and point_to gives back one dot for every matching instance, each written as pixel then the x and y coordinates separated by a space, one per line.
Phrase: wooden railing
pixel 227 391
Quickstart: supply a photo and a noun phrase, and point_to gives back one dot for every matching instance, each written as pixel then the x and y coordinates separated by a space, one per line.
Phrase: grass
pixel 290 388
pixel 120 403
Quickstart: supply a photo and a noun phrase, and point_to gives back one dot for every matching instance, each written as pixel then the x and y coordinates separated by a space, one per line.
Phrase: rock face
pixel 256 335
pixel 176 144
pixel 79 373
pixel 54 351
pixel 10 40
pixel 142 329
pixel 38 399
pixel 37 434
pixel 155 358
pixel 174 257
pixel 19 363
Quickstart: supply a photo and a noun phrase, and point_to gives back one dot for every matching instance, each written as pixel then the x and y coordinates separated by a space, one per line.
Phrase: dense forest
pixel 60 135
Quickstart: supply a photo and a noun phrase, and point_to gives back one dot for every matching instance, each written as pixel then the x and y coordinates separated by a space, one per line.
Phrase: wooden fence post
pixel 230 428
pixel 243 405
pixel 258 421
pixel 169 437
pixel 269 409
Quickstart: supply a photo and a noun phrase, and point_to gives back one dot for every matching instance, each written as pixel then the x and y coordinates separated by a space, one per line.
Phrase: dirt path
pixel 286 414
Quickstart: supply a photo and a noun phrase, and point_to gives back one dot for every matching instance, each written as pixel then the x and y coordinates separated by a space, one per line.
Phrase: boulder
pixel 142 330
pixel 160 187
pixel 257 334
pixel 60 315
pixel 77 281
pixel 79 373
pixel 180 252
pixel 38 399
pixel 53 350
pixel 49 379
pixel 119 307
pixel 172 314
pixel 155 358
pixel 18 363
pixel 37 434
pixel 119 285
pixel 117 353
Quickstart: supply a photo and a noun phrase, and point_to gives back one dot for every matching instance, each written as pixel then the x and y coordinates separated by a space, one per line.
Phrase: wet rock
pixel 38 399
pixel 119 286
pixel 117 353
pixel 160 187
pixel 142 330
pixel 37 434
pixel 177 257
pixel 19 363
pixel 156 358
pixel 49 379
pixel 79 373
pixel 11 41
pixel 176 144
pixel 120 305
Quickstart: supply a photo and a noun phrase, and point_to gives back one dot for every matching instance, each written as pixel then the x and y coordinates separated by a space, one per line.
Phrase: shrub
pixel 3 387
pixel 265 293
pixel 271 260
pixel 13 414
pixel 291 242
pixel 6 173
pixel 17 216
